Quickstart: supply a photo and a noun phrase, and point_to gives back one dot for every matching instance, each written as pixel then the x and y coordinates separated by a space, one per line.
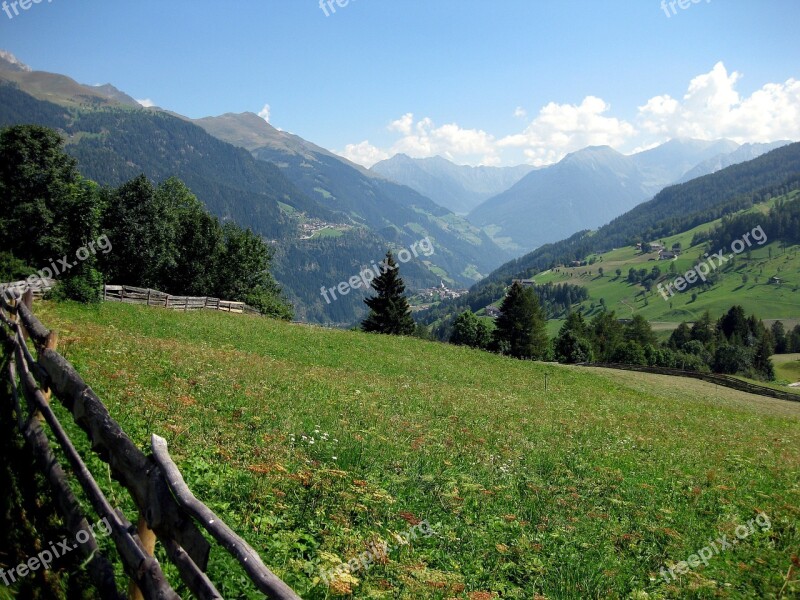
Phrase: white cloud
pixel 264 113
pixel 147 103
pixel 562 128
pixel 364 154
pixel 710 109
pixel 403 124
pixel 424 139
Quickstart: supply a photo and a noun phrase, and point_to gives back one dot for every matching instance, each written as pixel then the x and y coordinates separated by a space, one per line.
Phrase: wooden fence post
pixel 148 539
pixel 52 342
pixel 148 296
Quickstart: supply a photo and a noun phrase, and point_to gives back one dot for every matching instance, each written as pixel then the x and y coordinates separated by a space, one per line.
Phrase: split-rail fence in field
pixel 168 512
pixel 135 295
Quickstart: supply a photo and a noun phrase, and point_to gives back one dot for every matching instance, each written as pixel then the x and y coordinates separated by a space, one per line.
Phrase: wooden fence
pixel 38 286
pixel 167 510
pixel 135 295
pixel 723 380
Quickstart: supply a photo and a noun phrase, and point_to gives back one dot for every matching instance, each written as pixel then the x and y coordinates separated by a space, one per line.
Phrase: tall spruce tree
pixel 520 328
pixel 389 311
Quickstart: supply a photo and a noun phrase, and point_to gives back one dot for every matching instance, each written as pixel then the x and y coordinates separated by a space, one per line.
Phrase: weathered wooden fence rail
pixel 167 511
pixel 38 286
pixel 723 380
pixel 135 295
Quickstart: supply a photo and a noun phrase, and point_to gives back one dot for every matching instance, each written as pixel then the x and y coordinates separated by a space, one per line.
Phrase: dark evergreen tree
pixel 520 328
pixel 762 364
pixel 779 336
pixel 733 325
pixel 607 334
pixel 638 330
pixel 390 312
pixel 680 337
pixel 572 344
pixel 703 330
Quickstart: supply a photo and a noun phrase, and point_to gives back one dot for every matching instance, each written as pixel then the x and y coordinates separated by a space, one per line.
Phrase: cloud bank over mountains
pixel 711 108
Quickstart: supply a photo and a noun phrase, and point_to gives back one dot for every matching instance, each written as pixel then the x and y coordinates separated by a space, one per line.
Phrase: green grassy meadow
pixel 314 443
pixel 787 367
pixel 757 295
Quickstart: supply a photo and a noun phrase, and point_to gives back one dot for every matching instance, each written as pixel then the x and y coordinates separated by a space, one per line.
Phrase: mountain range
pixel 460 188
pixel 676 209
pixel 522 208
pixel 271 181
pixel 590 187
pixel 284 187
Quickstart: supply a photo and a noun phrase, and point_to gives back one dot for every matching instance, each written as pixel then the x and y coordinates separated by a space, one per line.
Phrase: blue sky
pixel 493 82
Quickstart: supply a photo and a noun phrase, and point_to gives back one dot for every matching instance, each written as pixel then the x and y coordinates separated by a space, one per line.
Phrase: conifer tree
pixel 521 330
pixel 389 310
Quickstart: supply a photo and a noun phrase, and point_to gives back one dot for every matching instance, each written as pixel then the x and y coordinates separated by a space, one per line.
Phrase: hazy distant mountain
pixel 593 186
pixel 586 189
pixel 742 154
pixel 59 89
pixel 665 164
pixel 459 188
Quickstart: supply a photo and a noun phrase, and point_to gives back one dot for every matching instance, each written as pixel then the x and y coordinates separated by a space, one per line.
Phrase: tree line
pixel 162 235
pixel 734 344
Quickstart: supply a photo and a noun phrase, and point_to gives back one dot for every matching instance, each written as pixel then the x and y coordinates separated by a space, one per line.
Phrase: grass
pixel 787 367
pixel 757 295
pixel 584 490
pixel 328 232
